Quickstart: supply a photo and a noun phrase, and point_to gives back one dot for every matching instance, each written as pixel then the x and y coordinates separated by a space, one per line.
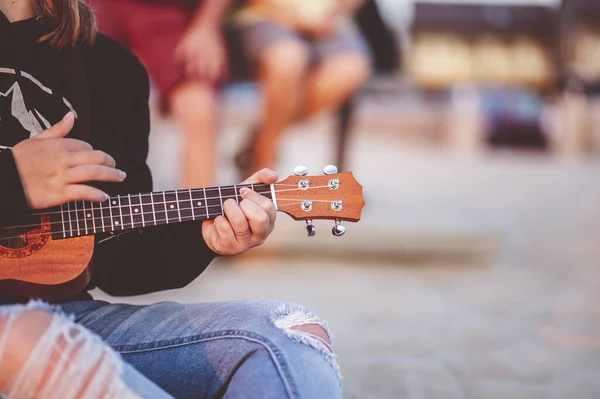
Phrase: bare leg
pixel 195 108
pixel 283 68
pixel 334 81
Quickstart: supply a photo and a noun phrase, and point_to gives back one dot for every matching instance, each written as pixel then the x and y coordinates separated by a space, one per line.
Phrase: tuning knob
pixel 330 170
pixel 338 230
pixel 300 171
pixel 310 228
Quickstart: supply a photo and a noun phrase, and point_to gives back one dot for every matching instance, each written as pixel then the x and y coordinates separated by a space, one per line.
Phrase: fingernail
pixel 122 175
pixel 245 192
pixel 106 197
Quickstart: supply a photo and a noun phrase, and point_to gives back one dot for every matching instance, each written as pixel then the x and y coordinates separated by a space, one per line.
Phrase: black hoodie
pixel 108 89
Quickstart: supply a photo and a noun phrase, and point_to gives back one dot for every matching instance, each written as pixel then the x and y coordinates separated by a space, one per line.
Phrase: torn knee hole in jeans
pixel 64 360
pixel 304 327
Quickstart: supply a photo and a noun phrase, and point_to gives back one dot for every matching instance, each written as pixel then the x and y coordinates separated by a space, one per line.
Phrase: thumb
pixel 60 130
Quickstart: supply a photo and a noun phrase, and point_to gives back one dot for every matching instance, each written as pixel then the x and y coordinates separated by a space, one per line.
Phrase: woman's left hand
pixel 246 225
pixel 202 53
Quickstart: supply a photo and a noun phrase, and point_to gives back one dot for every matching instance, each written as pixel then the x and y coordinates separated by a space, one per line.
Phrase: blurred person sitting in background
pixel 180 43
pixel 311 58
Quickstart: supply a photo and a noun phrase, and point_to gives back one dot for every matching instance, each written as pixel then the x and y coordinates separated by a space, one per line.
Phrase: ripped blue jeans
pixel 244 349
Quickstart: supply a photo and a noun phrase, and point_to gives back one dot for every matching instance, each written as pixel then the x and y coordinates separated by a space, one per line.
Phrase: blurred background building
pixel 474 272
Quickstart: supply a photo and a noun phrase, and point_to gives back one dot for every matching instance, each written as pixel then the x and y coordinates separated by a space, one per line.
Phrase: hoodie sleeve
pixel 155 258
pixel 12 198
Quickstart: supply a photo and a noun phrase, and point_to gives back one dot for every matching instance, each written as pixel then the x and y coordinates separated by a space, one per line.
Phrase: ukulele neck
pixel 136 211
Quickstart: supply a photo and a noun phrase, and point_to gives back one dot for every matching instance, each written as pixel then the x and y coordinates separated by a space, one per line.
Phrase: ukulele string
pixel 120 227
pixel 99 220
pixel 162 202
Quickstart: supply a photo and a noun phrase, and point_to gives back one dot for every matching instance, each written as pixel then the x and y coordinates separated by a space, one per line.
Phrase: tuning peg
pixel 310 228
pixel 338 230
pixel 330 170
pixel 300 171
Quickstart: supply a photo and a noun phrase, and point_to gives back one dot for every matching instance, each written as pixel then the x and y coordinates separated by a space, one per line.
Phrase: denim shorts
pixel 257 36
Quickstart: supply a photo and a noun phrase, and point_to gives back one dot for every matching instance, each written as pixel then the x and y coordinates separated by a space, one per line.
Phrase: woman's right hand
pixel 54 169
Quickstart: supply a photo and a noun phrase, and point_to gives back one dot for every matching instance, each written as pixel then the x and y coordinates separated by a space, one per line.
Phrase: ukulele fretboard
pixel 135 211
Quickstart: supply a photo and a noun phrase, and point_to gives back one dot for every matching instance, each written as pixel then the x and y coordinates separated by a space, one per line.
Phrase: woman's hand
pixel 202 52
pixel 53 169
pixel 245 226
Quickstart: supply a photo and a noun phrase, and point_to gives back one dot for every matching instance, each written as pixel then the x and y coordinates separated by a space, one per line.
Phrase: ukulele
pixel 48 255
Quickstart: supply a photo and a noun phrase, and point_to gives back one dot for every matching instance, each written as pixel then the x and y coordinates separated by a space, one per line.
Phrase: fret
pixel 178 205
pixel 75 217
pixel 198 204
pixel 80 216
pixel 192 204
pixel 131 211
pixel 147 210
pixel 213 202
pixel 206 204
pixel 85 216
pixel 229 193
pixel 264 190
pixel 107 216
pixel 120 212
pixel 98 218
pixel 159 206
pixel 220 198
pixel 62 218
pixel 172 206
pixel 92 216
pixel 238 193
pixel 186 208
pixel 115 214
pixel 137 218
pixel 69 214
pixel 125 208
pixel 111 221
pixel 166 207
pixel 153 210
pixel 235 192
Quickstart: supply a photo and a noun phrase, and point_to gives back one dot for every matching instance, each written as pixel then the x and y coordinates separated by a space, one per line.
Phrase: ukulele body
pixel 34 265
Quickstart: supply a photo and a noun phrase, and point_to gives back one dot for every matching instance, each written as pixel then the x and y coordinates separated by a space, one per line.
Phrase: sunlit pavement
pixel 470 277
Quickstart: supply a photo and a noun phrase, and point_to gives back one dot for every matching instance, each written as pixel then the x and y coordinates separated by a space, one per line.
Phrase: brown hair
pixel 71 22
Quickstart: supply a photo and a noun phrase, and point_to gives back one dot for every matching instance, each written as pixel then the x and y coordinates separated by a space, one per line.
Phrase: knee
pixel 192 98
pixel 353 69
pixel 304 327
pixel 316 331
pixel 287 60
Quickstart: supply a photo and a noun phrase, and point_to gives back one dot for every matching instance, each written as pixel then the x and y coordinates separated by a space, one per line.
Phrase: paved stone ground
pixel 428 320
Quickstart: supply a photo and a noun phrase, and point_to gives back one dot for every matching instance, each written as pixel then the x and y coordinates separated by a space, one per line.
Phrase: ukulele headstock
pixel 333 196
